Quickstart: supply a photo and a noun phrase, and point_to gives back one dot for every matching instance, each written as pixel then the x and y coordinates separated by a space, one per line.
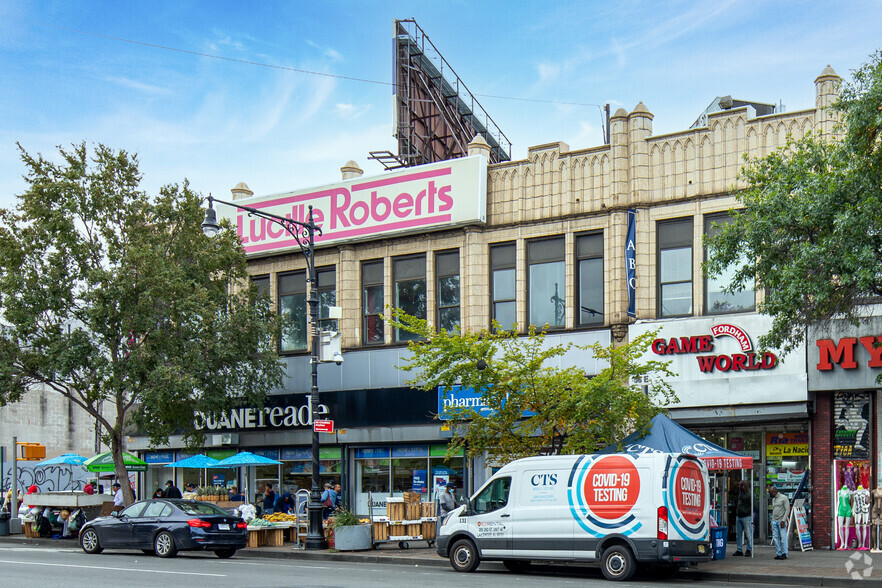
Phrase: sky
pixel 168 79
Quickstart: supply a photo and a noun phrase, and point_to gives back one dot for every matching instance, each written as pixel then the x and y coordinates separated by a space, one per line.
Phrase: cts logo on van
pixel 603 492
pixel 543 480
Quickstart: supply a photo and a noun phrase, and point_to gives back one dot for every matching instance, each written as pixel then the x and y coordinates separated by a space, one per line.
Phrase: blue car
pixel 166 526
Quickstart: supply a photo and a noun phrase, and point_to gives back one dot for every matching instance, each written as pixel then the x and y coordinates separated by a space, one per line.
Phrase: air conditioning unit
pixel 225 439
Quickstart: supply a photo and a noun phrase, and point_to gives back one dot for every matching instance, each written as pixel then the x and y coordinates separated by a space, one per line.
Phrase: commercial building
pixel 600 243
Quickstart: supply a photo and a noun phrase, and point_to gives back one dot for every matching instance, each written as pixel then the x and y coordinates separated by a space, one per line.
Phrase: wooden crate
pixel 413 529
pixel 427 509
pixel 395 509
pixel 428 529
pixel 410 496
pixel 381 531
pixel 411 511
pixel 275 537
pixel 30 530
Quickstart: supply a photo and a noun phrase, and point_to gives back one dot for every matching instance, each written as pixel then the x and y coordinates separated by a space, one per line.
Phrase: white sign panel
pixel 413 200
pixel 717 361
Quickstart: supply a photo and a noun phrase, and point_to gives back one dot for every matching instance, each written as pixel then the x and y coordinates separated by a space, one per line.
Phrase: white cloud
pixel 351 111
pixel 328 52
pixel 136 85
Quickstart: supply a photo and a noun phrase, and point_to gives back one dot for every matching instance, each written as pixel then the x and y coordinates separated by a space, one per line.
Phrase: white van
pixel 622 510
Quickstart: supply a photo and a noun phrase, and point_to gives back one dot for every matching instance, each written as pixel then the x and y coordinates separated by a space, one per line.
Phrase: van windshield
pixel 493 497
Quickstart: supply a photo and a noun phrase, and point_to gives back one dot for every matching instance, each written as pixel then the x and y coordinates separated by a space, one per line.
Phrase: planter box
pixel 352 538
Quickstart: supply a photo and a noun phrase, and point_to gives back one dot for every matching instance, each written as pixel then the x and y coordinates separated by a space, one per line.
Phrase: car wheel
pixel 617 563
pixel 464 556
pixel 225 553
pixel 516 565
pixel 89 541
pixel 164 545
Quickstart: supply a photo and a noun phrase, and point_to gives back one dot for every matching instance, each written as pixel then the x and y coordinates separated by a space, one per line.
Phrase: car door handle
pixel 502 516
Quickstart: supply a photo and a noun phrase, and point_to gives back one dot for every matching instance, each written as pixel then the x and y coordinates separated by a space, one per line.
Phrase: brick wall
pixel 822 466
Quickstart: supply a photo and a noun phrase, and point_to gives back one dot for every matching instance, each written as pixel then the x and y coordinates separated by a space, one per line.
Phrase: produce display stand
pixel 265 536
pixel 407 519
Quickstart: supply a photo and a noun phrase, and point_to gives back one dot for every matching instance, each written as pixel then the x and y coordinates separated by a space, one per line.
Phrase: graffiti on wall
pixel 851 425
pixel 53 478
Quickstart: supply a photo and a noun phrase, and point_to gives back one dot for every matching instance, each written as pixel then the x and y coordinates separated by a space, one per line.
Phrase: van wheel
pixel 617 563
pixel 464 556
pixel 516 565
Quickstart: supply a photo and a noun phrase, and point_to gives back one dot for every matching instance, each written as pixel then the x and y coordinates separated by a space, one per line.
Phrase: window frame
pixel 578 259
pixel 678 244
pixel 396 280
pixel 709 219
pixel 442 274
pixel 503 266
pixel 281 293
pixel 558 259
pixel 365 315
pixel 324 322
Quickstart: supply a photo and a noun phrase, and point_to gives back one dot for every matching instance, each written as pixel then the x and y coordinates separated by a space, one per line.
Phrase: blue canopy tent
pixel 246 459
pixel 666 436
pixel 197 462
pixel 64 459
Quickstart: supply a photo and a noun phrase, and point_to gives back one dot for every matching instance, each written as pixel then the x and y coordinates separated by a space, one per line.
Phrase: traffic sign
pixel 323 426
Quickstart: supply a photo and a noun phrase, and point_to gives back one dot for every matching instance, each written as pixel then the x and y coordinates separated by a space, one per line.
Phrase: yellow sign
pixel 787 450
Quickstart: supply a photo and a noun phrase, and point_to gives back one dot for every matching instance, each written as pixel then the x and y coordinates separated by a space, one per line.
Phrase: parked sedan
pixel 166 526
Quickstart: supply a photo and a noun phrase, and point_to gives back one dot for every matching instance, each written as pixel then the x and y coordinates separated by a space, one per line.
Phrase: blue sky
pixel 218 122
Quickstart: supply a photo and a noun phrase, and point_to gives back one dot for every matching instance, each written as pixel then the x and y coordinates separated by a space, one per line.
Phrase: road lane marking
pixel 58 565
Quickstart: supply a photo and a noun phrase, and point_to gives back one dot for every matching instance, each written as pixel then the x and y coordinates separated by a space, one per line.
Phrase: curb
pixel 343 557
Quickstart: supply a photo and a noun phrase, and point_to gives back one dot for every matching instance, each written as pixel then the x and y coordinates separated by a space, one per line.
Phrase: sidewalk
pixel 812 568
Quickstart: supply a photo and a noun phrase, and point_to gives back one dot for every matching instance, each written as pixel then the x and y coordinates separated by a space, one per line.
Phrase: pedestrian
pixel 118 499
pixel 447 500
pixel 329 500
pixel 171 491
pixel 780 510
pixel 88 488
pixel 339 491
pixel 158 493
pixel 269 500
pixel 235 495
pixel 743 519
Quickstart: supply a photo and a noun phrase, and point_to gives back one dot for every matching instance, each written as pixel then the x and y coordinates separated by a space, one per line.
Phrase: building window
pixel 675 267
pixel 372 301
pixel 547 282
pixel 292 308
pixel 589 276
pixel 409 274
pixel 447 289
pixel 263 285
pixel 503 306
pixel 716 301
pixel 327 296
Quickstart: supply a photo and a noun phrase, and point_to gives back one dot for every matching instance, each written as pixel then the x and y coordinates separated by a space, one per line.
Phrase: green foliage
pixel 344 518
pixel 811 220
pixel 117 300
pixel 567 412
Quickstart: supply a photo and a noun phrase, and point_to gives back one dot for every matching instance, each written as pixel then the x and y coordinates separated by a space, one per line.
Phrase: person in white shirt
pixel 118 495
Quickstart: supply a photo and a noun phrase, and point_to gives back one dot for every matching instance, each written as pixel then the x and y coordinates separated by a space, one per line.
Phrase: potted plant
pixel 350 534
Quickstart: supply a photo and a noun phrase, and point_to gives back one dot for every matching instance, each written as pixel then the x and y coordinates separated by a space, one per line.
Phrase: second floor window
pixel 589 285
pixel 675 267
pixel 409 274
pixel 292 308
pixel 716 301
pixel 327 296
pixel 372 302
pixel 503 305
pixel 547 282
pixel 447 289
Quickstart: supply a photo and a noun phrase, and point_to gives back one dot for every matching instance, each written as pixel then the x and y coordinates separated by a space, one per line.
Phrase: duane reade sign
pixel 413 200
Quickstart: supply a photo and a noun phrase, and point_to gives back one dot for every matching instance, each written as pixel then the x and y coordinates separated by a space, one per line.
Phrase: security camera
pixel 338 358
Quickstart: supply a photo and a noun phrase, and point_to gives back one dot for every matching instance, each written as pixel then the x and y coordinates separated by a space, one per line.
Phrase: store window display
pixel 876 519
pixel 852 504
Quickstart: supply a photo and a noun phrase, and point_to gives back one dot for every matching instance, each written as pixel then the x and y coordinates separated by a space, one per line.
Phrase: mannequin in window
pixel 843 516
pixel 848 476
pixel 860 507
pixel 876 518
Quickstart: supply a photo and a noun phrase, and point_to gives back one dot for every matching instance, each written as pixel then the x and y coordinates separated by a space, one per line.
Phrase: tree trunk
pixel 119 468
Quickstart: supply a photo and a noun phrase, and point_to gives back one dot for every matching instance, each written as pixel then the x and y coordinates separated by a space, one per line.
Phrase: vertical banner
pixel 631 261
pixel 851 426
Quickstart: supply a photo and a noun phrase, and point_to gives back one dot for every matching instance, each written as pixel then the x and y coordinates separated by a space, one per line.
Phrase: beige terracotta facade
pixel 558 191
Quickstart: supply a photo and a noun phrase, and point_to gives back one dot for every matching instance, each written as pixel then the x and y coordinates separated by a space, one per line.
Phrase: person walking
pixel 329 500
pixel 780 510
pixel 743 519
pixel 269 500
pixel 118 499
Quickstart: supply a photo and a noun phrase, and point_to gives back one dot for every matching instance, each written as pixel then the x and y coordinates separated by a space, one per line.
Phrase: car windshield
pixel 200 508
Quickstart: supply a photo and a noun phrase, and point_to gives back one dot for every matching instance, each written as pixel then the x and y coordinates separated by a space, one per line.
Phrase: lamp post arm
pixel 304 233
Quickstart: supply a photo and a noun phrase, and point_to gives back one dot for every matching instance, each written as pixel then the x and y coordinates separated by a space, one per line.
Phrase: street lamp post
pixel 304 234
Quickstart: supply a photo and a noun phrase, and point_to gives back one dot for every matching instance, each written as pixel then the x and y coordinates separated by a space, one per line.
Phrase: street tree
pixel 809 224
pixel 533 403
pixel 119 303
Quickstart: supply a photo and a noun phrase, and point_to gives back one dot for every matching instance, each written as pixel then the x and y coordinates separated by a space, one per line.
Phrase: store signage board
pixel 799 523
pixel 718 363
pixel 427 197
pixel 323 426
pixel 844 357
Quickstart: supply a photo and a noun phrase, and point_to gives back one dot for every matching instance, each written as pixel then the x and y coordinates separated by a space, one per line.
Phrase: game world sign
pixel 702 346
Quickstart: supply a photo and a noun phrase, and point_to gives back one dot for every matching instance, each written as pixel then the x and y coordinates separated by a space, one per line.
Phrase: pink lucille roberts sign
pixel 417 199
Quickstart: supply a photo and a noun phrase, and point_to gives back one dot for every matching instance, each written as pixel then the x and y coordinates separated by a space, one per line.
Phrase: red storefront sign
pixel 748 360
